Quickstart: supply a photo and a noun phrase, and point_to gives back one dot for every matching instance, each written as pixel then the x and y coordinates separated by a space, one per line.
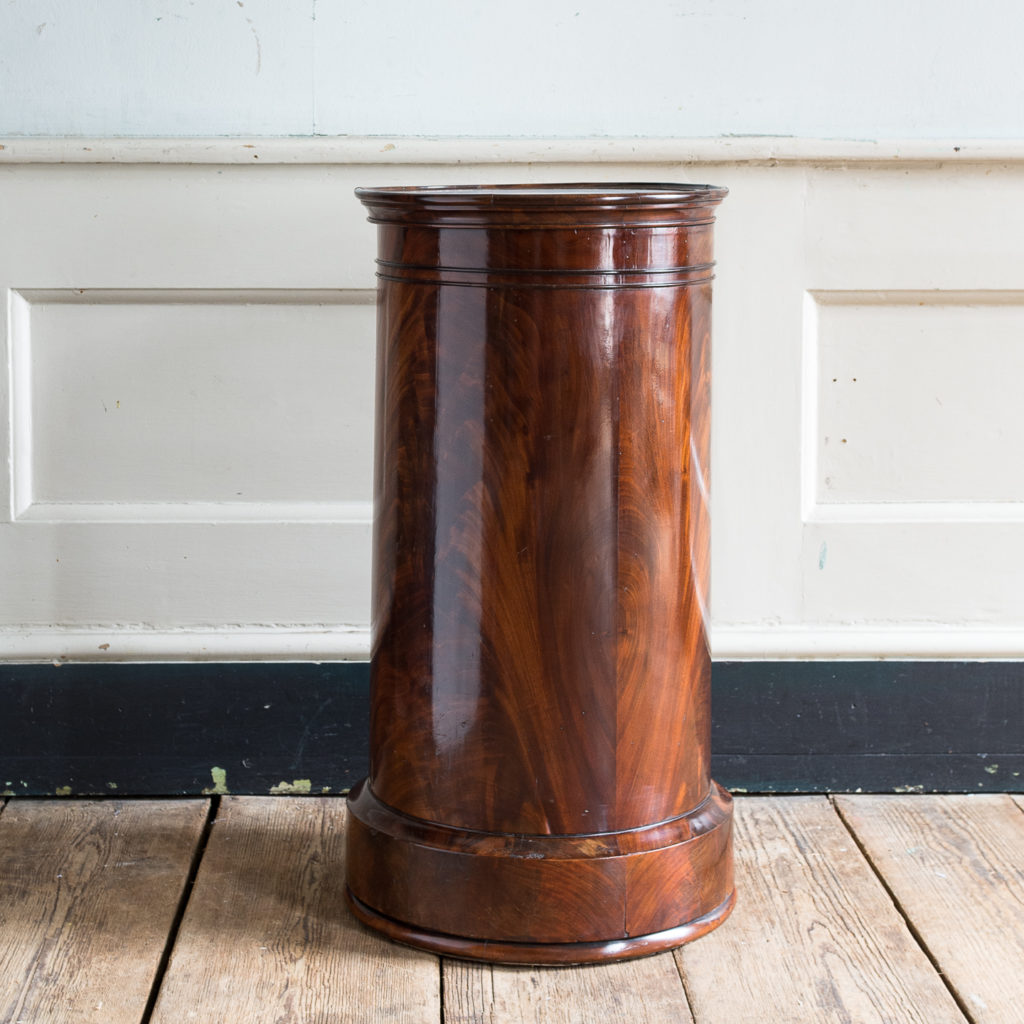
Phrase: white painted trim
pixel 936 642
pixel 136 643
pixel 19 375
pixel 200 296
pixel 930 642
pixel 809 408
pixel 877 512
pixel 456 151
pixel 219 512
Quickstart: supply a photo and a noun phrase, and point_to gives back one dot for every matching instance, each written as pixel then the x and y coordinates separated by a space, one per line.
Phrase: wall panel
pixel 150 405
pixel 867 352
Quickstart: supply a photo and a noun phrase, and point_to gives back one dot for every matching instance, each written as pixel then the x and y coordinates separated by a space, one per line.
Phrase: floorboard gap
pixel 677 957
pixel 179 916
pixel 918 938
pixel 440 987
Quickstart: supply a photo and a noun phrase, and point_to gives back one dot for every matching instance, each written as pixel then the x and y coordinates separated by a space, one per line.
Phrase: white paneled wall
pixel 187 421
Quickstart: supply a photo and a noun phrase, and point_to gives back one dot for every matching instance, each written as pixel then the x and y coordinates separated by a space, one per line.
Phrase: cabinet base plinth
pixel 540 954
pixel 540 899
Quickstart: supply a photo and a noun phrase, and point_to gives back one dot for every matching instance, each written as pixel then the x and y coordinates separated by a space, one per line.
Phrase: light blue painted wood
pixel 563 68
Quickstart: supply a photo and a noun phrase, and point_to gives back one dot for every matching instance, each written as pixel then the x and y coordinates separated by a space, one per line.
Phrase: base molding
pixel 290 727
pixel 540 954
pixel 331 643
pixel 904 643
pixel 620 894
pixel 102 645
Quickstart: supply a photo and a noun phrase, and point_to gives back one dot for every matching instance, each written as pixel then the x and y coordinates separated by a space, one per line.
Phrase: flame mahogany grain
pixel 539 787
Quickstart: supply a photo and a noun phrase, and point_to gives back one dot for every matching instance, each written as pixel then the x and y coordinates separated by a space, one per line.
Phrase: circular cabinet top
pixel 484 204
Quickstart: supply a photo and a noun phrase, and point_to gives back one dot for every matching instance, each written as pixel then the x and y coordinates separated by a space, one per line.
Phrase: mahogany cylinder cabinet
pixel 539 786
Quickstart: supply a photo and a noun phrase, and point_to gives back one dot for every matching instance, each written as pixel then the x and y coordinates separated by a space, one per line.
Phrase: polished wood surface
pixel 540 666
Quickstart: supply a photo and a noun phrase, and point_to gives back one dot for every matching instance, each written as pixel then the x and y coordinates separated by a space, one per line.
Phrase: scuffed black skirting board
pixel 875 726
pixel 780 727
pixel 131 729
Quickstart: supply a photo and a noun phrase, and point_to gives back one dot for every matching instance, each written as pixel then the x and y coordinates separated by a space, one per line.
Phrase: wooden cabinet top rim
pixel 559 205
pixel 585 194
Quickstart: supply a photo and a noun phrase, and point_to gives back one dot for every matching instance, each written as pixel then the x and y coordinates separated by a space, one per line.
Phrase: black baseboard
pixel 876 726
pixel 173 729
pixel 261 727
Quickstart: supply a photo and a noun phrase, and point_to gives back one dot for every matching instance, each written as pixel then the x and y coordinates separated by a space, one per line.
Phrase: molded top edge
pixel 552 196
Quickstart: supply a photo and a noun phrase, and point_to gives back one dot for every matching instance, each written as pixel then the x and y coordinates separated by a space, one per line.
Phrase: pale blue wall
pixel 813 68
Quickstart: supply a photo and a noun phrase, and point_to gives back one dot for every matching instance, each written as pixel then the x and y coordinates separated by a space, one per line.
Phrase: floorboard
pixel 863 909
pixel 814 936
pixel 955 865
pixel 89 890
pixel 646 991
pixel 266 936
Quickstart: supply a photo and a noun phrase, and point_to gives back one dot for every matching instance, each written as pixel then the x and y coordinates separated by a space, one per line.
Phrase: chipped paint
pixel 908 789
pixel 63 791
pixel 220 783
pixel 111 785
pixel 991 768
pixel 292 788
pixel 8 792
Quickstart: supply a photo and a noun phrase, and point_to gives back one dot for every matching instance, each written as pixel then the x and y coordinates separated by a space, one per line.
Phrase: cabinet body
pixel 539 787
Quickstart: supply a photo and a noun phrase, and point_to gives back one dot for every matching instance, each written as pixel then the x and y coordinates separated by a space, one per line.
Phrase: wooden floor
pixel 855 909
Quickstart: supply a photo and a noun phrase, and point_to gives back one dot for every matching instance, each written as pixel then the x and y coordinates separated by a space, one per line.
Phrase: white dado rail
pixel 186 416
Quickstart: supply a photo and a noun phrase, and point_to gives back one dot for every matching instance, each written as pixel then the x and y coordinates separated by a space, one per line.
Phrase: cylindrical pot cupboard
pixel 539 786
